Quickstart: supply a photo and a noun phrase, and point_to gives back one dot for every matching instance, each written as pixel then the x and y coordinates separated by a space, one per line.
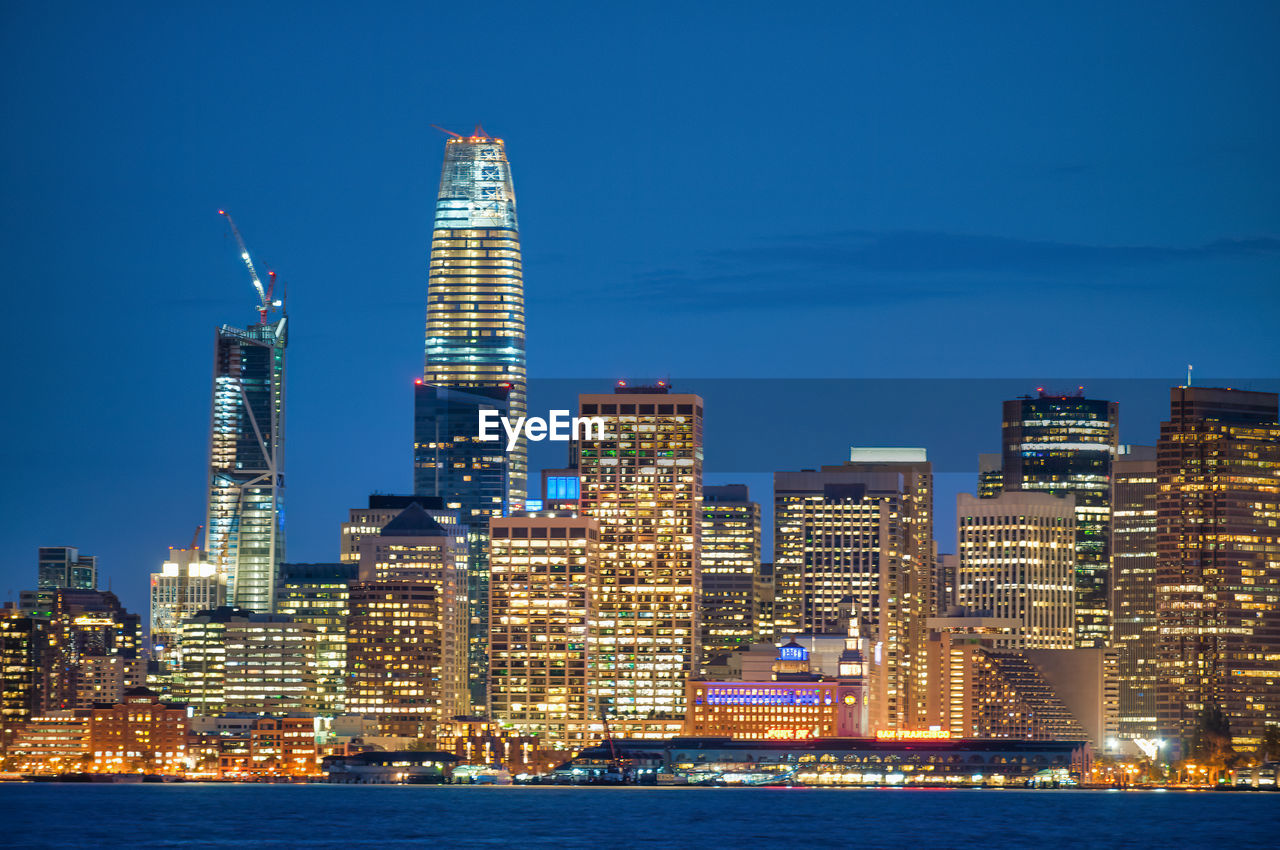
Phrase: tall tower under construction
pixel 245 529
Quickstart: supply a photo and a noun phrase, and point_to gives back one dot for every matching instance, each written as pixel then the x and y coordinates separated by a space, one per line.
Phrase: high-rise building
pixel 1017 552
pixel 475 333
pixel 990 475
pixel 245 529
pixel 369 521
pixel 1063 445
pixel 470 476
pixel 237 660
pixel 1133 571
pixel 543 570
pixel 407 627
pixel 642 481
pixel 64 566
pixel 21 638
pixel 92 650
pixel 860 534
pixel 763 600
pixel 186 584
pixel 729 563
pixel 317 594
pixel 1218 563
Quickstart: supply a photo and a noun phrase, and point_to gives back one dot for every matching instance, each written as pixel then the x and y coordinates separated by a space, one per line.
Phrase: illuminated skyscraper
pixel 186 585
pixel 1133 571
pixel 64 566
pixel 317 594
pixel 1218 563
pixel 245 536
pixel 861 532
pixel 730 561
pixel 643 483
pixel 1016 553
pixel 543 570
pixel 1063 445
pixel 475 291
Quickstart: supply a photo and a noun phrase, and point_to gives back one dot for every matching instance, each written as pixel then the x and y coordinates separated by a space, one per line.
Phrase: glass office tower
pixel 475 290
pixel 1063 445
pixel 245 536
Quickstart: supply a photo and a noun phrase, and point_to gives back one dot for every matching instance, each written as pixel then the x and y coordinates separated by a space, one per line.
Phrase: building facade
pixel 245 527
pixel 475 331
pixel 1218 563
pixel 1133 558
pixel 859 536
pixel 1063 445
pixel 729 563
pixel 317 594
pixel 1017 554
pixel 186 584
pixel 139 733
pixel 543 572
pixel 64 566
pixel 642 482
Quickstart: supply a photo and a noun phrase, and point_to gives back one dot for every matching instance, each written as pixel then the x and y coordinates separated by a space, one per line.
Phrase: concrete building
pixel 1017 553
pixel 641 480
pixel 1218 563
pixel 91 653
pixel 53 742
pixel 542 569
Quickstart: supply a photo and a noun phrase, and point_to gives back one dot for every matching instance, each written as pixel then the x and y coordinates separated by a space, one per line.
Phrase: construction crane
pixel 195 538
pixel 265 305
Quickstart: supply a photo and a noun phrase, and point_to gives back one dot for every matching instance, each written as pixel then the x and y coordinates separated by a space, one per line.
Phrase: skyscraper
pixel 475 290
pixel 245 537
pixel 729 563
pixel 1133 570
pixel 186 584
pixel 64 566
pixel 543 570
pixel 1218 563
pixel 317 594
pixel 642 481
pixel 1063 445
pixel 1016 553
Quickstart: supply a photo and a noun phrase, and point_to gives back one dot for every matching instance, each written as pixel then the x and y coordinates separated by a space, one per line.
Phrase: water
pixel 328 816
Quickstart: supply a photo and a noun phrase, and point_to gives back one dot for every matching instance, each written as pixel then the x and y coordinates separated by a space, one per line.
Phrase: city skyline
pixel 1090 174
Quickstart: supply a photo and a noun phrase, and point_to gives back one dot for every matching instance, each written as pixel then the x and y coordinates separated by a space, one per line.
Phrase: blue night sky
pixel 1068 193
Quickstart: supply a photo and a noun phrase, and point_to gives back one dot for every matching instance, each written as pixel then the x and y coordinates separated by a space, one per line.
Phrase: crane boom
pixel 264 303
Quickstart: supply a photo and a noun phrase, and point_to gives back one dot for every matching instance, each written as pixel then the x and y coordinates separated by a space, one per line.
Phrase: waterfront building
pixel 729 562
pixel 52 742
pixel 1063 445
pixel 860 534
pixel 475 330
pixel 485 743
pixel 186 584
pixel 906 757
pixel 241 661
pixel 403 767
pixel 1218 563
pixel 64 566
pixel 1017 552
pixel 1133 569
pixel 138 733
pixel 641 480
pixel 543 570
pixel 245 528
pixel 317 594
